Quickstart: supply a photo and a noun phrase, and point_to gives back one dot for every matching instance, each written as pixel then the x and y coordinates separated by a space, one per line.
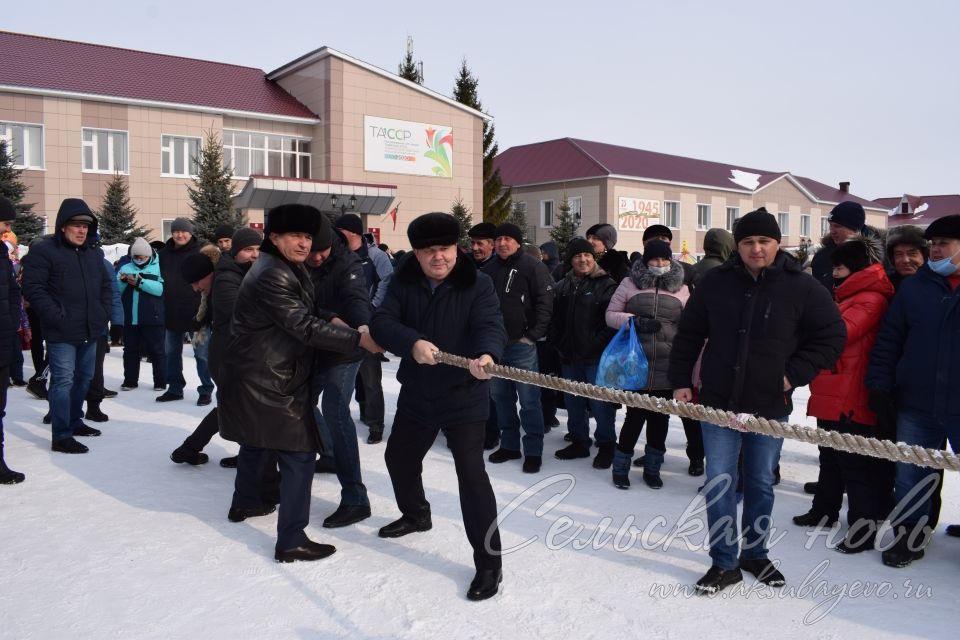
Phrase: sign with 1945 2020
pixel 636 214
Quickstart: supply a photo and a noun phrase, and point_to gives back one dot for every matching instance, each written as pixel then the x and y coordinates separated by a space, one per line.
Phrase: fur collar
pixel 671 281
pixel 464 272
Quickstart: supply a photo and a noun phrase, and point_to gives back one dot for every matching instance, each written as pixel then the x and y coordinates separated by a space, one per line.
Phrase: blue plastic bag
pixel 623 364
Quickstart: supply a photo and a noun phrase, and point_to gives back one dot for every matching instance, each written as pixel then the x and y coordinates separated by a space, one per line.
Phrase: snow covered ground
pixel 122 543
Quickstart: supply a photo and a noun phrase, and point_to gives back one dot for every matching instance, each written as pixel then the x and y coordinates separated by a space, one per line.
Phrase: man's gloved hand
pixel 646 325
pixel 884 404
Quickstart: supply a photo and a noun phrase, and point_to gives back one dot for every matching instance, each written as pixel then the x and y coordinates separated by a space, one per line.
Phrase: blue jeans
pixel 338 430
pixel 505 394
pixel 603 412
pixel 761 454
pixel 173 348
pixel 915 427
pixel 71 369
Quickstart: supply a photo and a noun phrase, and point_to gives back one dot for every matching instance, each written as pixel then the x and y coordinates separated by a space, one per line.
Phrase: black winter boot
pixel 94 413
pixel 8 475
pixel 908 547
pixel 604 457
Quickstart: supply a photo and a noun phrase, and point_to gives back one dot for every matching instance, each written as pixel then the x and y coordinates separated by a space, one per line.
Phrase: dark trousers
pixel 201 436
pixel 868 481
pixel 656 426
pixel 4 383
pixel 369 379
pixel 549 361
pixel 256 467
pixel 97 392
pixel 36 344
pixel 691 428
pixel 408 444
pixel 138 341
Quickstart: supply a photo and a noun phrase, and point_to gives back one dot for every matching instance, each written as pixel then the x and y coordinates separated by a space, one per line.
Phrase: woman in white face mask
pixel 141 292
pixel 652 297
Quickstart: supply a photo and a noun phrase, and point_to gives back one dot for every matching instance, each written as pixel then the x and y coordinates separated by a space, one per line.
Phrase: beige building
pixel 632 189
pixel 325 129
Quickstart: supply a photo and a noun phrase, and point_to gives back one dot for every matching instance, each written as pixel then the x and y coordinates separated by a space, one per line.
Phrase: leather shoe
pixel 167 397
pixel 239 514
pixel 502 455
pixel 345 515
pixel 229 463
pixel 405 525
pixel 485 584
pixel 375 436
pixel 183 455
pixel 110 393
pixel 68 445
pixel 203 400
pixel 305 552
pixel 531 464
pixel 95 414
pixel 86 431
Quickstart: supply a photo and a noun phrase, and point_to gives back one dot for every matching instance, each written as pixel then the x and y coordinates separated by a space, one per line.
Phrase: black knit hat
pixel 293 218
pixel 757 223
pixel 655 230
pixel 848 214
pixel 223 231
pixel 181 224
pixel 483 231
pixel 7 211
pixel 577 246
pixel 945 227
pixel 656 249
pixel 243 238
pixel 323 239
pixel 350 222
pixel 852 254
pixel 196 267
pixel 433 229
pixel 510 230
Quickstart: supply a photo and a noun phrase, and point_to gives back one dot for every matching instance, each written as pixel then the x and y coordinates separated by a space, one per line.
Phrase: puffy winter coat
pixel 645 295
pixel 142 303
pixel 461 316
pixel 525 289
pixel 578 330
pixel 917 352
pixel 757 331
pixel 718 244
pixel 9 307
pixel 180 301
pixel 840 392
pixel 68 287
pixel 266 369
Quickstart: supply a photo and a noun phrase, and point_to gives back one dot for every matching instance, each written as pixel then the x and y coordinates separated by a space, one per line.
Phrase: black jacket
pixel 180 301
pixel 757 332
pixel 340 291
pixel 525 289
pixel 266 369
pixel 9 307
pixel 226 287
pixel 578 330
pixel 718 244
pixel 461 316
pixel 616 263
pixel 68 287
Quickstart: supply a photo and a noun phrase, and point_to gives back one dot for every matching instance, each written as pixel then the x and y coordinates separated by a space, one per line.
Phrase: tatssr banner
pixel 636 214
pixel 415 148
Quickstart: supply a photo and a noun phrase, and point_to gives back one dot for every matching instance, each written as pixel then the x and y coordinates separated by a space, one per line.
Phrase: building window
pixel 783 219
pixel 804 226
pixel 546 213
pixel 247 153
pixel 179 155
pixel 104 151
pixel 24 144
pixel 732 214
pixel 576 209
pixel 703 216
pixel 824 225
pixel 671 214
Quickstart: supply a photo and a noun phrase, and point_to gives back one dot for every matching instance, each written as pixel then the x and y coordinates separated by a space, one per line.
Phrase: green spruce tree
pixel 564 226
pixel 497 203
pixel 409 69
pixel 465 218
pixel 211 196
pixel 27 225
pixel 518 216
pixel 118 218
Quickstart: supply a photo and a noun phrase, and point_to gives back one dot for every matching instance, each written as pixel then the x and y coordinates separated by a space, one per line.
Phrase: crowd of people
pixel 289 325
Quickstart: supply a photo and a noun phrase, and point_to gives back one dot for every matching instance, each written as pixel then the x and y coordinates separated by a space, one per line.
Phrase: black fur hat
pixel 432 229
pixel 293 218
pixel 854 254
pixel 908 234
pixel 945 227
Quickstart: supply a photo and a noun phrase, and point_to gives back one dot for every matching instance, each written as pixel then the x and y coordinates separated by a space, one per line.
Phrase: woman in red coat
pixel 838 399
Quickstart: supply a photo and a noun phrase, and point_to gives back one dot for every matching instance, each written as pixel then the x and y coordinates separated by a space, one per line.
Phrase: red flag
pixel 393 215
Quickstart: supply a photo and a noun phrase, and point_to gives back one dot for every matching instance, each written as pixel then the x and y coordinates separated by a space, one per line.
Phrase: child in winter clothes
pixel 141 292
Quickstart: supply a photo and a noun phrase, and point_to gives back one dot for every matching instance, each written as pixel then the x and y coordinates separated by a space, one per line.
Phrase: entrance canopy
pixel 264 192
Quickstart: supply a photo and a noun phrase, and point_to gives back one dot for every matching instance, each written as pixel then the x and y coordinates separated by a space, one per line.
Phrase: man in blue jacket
pixel 439 301
pixel 71 292
pixel 915 372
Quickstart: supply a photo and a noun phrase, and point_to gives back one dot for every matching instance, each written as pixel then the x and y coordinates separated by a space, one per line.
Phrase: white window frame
pixel 165 230
pixel 824 225
pixel 664 214
pixel 186 150
pixel 576 212
pixel 28 132
pixel 804 225
pixel 111 160
pixel 230 150
pixel 785 224
pixel 543 212
pixel 728 221
pixel 709 209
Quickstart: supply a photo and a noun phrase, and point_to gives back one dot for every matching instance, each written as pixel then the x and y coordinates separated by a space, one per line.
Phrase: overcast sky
pixel 833 90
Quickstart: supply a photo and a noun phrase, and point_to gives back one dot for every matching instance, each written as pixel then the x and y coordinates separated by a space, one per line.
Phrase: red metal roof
pixel 46 63
pixel 571 159
pixel 932 207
